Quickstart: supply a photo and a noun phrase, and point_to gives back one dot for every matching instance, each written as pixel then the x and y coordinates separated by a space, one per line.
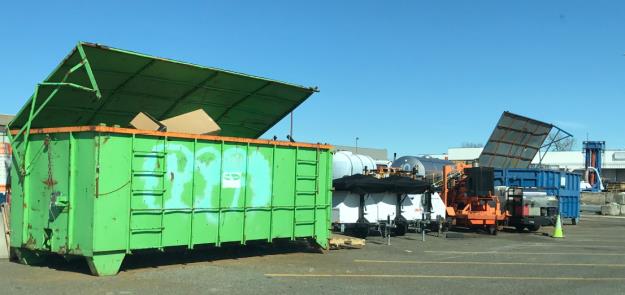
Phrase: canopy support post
pixel 94 84
pixel 25 130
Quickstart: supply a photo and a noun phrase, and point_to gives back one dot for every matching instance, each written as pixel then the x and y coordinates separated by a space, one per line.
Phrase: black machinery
pixel 530 209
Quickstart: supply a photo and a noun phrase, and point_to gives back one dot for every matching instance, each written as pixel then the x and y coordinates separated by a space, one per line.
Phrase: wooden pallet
pixel 345 242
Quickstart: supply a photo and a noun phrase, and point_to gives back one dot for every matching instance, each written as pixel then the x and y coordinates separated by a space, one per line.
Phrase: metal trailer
pixel 564 185
pixel 422 210
pixel 361 202
pixel 102 192
pixel 357 214
pixel 354 213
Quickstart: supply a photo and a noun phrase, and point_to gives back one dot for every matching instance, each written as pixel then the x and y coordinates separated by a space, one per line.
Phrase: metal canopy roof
pixel 98 84
pixel 514 142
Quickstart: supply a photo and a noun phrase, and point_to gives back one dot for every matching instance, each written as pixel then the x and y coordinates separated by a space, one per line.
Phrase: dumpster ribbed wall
pixel 97 193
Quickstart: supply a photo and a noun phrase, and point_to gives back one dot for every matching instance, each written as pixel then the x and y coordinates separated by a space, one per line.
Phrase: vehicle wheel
pixel 492 230
pixel 534 227
pixel 574 221
pixel 445 226
pixel 400 229
pixel 519 228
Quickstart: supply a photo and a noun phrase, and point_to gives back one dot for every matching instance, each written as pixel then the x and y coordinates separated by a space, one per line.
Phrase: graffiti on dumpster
pixel 243 176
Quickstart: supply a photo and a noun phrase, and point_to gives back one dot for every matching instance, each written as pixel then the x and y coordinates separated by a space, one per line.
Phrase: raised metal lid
pixel 99 84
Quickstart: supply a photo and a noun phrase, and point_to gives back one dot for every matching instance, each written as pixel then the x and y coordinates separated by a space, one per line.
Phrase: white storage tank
pixel 345 163
pixel 424 166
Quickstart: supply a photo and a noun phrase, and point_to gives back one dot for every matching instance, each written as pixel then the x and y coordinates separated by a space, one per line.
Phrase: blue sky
pixel 411 76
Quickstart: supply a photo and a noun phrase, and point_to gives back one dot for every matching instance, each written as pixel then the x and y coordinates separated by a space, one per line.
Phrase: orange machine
pixel 468 195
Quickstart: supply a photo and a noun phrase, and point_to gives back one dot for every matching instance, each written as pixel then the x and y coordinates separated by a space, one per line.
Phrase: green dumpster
pixel 84 184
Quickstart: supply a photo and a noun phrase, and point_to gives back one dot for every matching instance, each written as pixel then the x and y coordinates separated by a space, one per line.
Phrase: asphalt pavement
pixel 589 260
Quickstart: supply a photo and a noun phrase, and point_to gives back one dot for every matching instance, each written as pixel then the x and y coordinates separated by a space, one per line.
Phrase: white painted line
pixel 600 216
pixel 488 263
pixel 594 241
pixel 403 276
pixel 576 246
pixel 527 253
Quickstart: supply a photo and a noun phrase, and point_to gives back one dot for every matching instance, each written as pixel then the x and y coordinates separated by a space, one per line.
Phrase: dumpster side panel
pixel 83 171
pixel 147 185
pixel 233 190
pixel 284 190
pixel 206 192
pixel 306 191
pixel 43 215
pixel 324 200
pixel 570 196
pixel 18 206
pixel 258 193
pixel 112 191
pixel 45 193
pixel 56 190
pixel 37 194
pixel 178 195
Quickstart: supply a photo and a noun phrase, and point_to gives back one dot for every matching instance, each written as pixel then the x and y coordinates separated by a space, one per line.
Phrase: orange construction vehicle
pixel 469 196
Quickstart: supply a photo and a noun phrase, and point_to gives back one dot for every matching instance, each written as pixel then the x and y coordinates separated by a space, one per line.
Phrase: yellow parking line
pixel 401 276
pixel 488 263
pixel 527 253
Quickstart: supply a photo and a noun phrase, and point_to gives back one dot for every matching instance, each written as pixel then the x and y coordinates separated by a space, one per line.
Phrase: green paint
pixel 103 195
pixel 105 264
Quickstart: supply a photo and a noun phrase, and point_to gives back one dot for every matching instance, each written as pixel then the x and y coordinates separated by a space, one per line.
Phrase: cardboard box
pixel 195 122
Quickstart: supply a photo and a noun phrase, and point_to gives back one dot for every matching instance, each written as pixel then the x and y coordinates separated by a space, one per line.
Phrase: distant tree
pixel 562 145
pixel 472 145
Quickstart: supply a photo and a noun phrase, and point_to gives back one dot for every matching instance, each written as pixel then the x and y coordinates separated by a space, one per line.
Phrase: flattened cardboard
pixel 144 121
pixel 195 122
